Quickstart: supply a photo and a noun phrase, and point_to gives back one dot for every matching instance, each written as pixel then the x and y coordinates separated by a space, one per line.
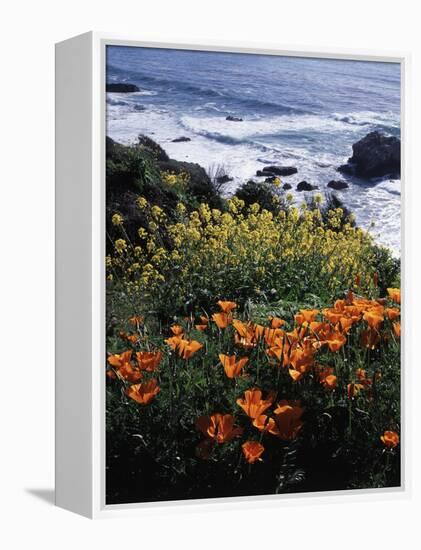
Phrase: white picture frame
pixel 80 276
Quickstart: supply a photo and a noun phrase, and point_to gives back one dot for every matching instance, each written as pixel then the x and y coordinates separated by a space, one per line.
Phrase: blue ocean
pixel 301 112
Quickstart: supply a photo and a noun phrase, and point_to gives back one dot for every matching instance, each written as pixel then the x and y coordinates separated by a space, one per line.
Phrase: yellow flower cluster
pixel 251 242
pixel 179 182
pixel 117 219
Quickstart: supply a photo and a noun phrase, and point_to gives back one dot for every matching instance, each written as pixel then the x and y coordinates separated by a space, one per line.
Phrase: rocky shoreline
pixel 374 156
pixel 139 169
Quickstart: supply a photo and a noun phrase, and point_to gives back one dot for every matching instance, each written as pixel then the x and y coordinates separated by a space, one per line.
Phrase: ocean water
pixel 302 112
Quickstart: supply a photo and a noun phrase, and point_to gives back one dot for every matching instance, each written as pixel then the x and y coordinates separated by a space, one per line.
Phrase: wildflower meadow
pixel 253 343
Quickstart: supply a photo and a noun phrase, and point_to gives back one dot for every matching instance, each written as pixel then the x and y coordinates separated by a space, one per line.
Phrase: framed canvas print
pixel 229 312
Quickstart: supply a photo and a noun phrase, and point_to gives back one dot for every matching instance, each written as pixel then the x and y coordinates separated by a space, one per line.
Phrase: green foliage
pixel 263 194
pixel 132 167
pixel 388 268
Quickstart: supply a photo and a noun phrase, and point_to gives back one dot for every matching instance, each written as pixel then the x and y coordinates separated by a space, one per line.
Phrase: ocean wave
pixel 369 118
pixel 271 129
pixel 177 85
pixel 144 92
pixel 116 101
pixel 220 128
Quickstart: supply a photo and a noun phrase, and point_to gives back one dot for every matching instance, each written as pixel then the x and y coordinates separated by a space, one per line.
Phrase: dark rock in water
pixel 286 186
pixel 270 179
pixel 305 186
pixel 338 184
pixel 180 139
pixel 277 171
pixel 233 118
pixel 347 169
pixel 375 155
pixel 121 87
pixel 223 179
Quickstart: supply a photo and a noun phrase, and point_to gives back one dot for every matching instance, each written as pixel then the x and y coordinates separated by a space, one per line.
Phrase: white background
pixel 28 30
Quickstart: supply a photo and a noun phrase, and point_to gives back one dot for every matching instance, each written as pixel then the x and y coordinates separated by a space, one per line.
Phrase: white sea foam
pixel 220 128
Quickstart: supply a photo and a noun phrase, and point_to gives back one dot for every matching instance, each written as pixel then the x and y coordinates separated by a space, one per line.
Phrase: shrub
pixel 264 194
pixel 247 253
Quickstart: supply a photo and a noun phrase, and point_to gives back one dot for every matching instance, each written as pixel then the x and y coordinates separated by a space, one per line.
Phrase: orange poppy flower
pixel 232 367
pixel 173 342
pixel 245 334
pixel 276 350
pixel 129 373
pixel 306 316
pixel 177 330
pixel 390 439
pixel 276 322
pixel 361 374
pixel 253 404
pixel 187 348
pixel 330 382
pixel 332 315
pixel 286 423
pixel 143 393
pixel 244 342
pixel 243 329
pixel 259 331
pixel 272 335
pixel 148 360
pixel 204 321
pixel 362 377
pixel 335 340
pixel 346 323
pixel 136 320
pixel 222 320
pixel 340 305
pixel 354 389
pixel 252 451
pixel 352 312
pixel 219 427
pixel 394 294
pixel 227 307
pixel 123 367
pixel 296 375
pixel 265 424
pixel 370 338
pixel 133 338
pixel 397 329
pixel 374 318
pixel 302 358
pixel 320 328
pixel 363 304
pixel 119 359
pixel 392 313
pixel 327 379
